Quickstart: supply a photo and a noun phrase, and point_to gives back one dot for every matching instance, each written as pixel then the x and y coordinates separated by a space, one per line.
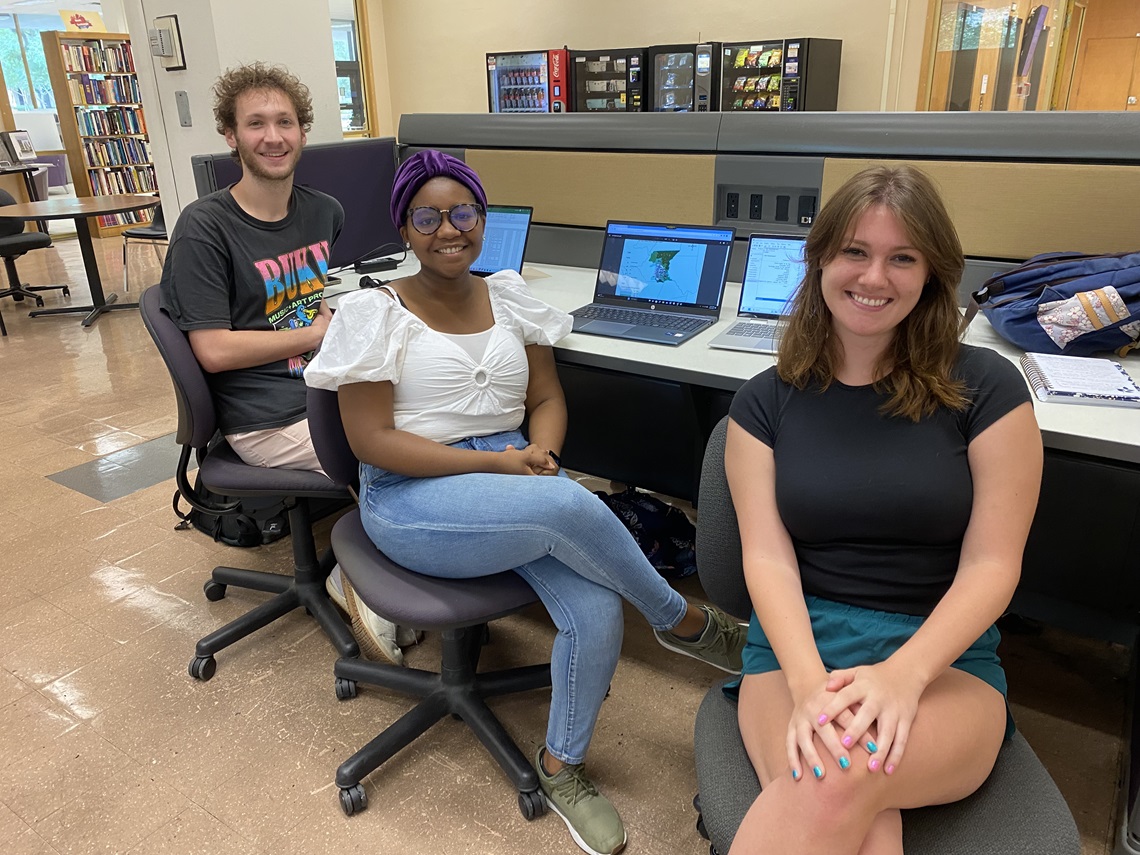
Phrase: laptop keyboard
pixel 642 319
pixel 755 329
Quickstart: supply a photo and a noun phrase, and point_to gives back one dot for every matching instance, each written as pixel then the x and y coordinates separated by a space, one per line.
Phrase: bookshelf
pixel 101 119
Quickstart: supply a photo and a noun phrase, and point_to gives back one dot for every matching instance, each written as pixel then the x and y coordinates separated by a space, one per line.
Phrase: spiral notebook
pixel 1080 380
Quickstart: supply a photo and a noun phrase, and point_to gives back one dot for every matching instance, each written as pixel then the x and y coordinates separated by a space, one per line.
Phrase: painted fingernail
pixel 795 774
pixel 844 763
pixel 874 764
pixel 822 718
pixel 818 772
pixel 872 747
pixel 847 740
pixel 890 770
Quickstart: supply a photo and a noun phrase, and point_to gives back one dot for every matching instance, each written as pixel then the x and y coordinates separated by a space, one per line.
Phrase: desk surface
pixel 1109 432
pixel 70 207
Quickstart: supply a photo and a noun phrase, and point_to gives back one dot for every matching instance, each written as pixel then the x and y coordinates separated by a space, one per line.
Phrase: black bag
pixel 258 520
pixel 662 532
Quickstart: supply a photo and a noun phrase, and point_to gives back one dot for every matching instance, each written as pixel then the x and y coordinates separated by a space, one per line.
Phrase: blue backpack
pixel 1067 302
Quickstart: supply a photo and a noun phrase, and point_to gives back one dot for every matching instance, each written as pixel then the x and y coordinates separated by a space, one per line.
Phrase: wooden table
pixel 79 209
pixel 26 170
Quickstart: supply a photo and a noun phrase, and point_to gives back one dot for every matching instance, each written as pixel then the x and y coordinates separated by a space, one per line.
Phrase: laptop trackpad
pixel 605 328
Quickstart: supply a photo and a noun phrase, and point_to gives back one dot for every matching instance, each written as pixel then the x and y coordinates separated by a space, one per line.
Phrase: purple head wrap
pixel 419 169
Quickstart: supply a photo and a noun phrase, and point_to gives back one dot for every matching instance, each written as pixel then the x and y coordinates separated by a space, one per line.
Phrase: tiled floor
pixel 106 745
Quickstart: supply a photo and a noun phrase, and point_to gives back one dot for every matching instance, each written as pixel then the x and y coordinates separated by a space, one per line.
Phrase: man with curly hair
pixel 246 270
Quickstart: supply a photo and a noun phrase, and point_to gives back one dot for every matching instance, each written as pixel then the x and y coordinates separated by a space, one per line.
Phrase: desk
pixel 79 209
pixel 641 413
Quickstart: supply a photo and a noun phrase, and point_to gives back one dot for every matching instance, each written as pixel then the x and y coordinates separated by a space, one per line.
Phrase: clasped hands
pixel 531 460
pixel 858 714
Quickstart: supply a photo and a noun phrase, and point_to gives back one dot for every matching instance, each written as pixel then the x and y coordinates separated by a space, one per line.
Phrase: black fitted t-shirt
pixel 876 506
pixel 228 270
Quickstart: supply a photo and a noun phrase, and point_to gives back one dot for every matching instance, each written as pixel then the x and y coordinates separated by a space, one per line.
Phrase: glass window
pixel 995 55
pixel 350 80
pixel 22 58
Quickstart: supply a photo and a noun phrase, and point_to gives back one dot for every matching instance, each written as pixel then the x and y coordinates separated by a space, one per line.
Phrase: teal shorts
pixel 847 636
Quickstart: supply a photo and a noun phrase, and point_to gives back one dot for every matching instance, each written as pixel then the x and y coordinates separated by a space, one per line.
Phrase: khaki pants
pixel 288 447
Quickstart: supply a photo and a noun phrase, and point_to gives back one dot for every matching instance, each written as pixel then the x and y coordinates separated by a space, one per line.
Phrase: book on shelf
pixel 1080 380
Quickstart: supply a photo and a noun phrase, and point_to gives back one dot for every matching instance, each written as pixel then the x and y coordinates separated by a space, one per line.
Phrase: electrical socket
pixel 755 206
pixel 732 206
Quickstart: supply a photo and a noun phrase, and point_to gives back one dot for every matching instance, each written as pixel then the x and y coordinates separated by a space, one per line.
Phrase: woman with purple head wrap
pixel 436 374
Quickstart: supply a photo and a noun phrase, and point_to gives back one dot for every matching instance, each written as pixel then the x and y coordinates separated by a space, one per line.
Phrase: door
pixel 1109 75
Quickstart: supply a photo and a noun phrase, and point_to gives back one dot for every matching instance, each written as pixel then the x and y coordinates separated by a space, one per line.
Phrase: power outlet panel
pixel 756 206
pixel 732 206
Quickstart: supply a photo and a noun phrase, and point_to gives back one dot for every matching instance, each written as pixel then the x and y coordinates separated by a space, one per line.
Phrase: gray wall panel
pixel 649 132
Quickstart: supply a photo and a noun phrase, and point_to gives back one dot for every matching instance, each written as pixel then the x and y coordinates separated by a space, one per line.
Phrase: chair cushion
pixel 1017 810
pixel 424 602
pixel 23 242
pixel 145 233
pixel 225 473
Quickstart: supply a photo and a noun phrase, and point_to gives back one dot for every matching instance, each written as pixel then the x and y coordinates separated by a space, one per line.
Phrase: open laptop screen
pixel 773 271
pixel 663 265
pixel 504 239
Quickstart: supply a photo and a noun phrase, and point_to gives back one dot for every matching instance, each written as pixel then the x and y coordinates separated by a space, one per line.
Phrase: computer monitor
pixel 358 173
pixel 504 239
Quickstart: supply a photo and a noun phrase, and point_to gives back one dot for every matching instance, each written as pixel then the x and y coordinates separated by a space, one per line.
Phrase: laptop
pixel 772 273
pixel 657 283
pixel 504 239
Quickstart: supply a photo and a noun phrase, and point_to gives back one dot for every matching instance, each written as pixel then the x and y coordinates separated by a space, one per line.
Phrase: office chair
pixel 1018 809
pixel 14 242
pixel 459 609
pixel 153 233
pixel 222 471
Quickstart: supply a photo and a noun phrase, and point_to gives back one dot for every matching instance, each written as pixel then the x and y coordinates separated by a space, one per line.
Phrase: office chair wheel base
pixel 203 667
pixel 345 689
pixel 66 291
pixel 532 805
pixel 353 799
pixel 214 590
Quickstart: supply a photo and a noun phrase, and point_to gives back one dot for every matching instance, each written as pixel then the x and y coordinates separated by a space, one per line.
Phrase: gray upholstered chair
pixel 458 609
pixel 1017 810
pixel 223 472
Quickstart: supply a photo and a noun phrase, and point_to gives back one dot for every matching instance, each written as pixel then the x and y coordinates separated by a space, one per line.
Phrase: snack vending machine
pixel 780 74
pixel 683 78
pixel 608 80
pixel 528 82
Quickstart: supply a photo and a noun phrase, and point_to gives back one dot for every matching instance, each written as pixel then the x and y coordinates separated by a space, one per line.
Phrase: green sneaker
pixel 592 820
pixel 720 645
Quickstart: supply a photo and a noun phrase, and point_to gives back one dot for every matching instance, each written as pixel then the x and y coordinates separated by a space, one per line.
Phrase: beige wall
pixel 430 57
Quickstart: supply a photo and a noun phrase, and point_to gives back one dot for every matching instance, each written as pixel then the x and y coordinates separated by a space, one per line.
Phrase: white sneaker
pixel 379 639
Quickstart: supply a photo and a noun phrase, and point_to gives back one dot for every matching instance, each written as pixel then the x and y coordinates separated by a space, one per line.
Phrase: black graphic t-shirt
pixel 228 270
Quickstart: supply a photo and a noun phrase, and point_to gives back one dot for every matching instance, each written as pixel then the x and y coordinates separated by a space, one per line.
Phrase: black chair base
pixel 457 690
pixel 304 589
pixel 92 312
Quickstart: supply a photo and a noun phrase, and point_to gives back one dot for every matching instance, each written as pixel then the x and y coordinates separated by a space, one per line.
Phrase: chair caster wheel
pixel 345 689
pixel 353 799
pixel 67 292
pixel 214 590
pixel 203 667
pixel 532 805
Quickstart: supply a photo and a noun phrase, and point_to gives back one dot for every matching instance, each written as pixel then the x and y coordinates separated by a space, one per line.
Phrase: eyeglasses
pixel 427 220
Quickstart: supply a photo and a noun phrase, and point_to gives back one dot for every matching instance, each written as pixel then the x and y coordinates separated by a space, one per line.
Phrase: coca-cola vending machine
pixel 528 81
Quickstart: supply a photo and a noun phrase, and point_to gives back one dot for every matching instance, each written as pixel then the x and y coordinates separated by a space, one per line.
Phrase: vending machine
pixel 608 80
pixel 683 78
pixel 780 74
pixel 528 82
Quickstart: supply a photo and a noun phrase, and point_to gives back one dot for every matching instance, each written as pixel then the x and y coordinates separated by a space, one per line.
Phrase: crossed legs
pixel 952 748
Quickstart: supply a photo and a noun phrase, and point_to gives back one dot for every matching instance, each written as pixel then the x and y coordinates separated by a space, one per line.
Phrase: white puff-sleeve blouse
pixel 440 391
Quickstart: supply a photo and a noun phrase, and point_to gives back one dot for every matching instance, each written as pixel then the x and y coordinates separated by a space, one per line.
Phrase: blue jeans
pixel 556 534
